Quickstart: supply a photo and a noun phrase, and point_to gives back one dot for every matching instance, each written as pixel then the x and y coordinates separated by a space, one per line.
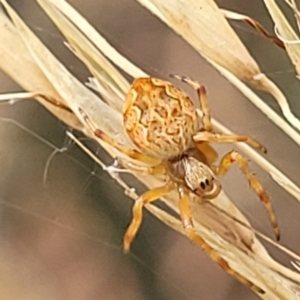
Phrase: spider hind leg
pixel 134 154
pixel 202 95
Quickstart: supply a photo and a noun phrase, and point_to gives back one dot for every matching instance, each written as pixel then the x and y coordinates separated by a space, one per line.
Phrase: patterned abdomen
pixel 159 118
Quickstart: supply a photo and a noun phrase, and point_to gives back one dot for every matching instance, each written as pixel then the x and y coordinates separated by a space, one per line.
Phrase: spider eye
pixel 207 182
pixel 202 184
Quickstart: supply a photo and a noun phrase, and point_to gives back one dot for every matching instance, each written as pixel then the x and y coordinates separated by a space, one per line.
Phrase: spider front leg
pixel 204 136
pixel 201 91
pixel 134 154
pixel 137 211
pixel 185 213
pixel 224 166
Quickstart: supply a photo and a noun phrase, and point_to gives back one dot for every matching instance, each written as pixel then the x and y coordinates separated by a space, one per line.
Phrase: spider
pixel 162 122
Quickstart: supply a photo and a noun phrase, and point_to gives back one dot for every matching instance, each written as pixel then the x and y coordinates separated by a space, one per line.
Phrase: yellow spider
pixel 162 121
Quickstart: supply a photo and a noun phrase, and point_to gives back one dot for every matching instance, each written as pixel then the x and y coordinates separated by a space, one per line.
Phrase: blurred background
pixel 62 218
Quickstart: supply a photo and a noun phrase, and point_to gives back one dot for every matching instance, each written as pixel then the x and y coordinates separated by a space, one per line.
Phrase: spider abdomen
pixel 159 118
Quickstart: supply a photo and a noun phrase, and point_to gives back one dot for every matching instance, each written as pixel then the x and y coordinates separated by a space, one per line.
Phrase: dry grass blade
pixel 253 262
pixel 22 67
pixel 83 47
pixel 294 7
pixel 286 32
pixel 98 65
pixel 203 26
pixel 255 24
pixel 51 7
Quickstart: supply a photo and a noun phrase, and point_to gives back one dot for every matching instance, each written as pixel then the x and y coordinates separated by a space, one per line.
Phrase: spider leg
pixel 208 151
pixel 185 212
pixel 137 210
pixel 134 154
pixel 159 169
pixel 56 103
pixel 222 169
pixel 204 136
pixel 201 91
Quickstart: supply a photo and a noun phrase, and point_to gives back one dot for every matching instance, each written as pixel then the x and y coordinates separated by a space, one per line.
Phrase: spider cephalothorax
pixel 195 175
